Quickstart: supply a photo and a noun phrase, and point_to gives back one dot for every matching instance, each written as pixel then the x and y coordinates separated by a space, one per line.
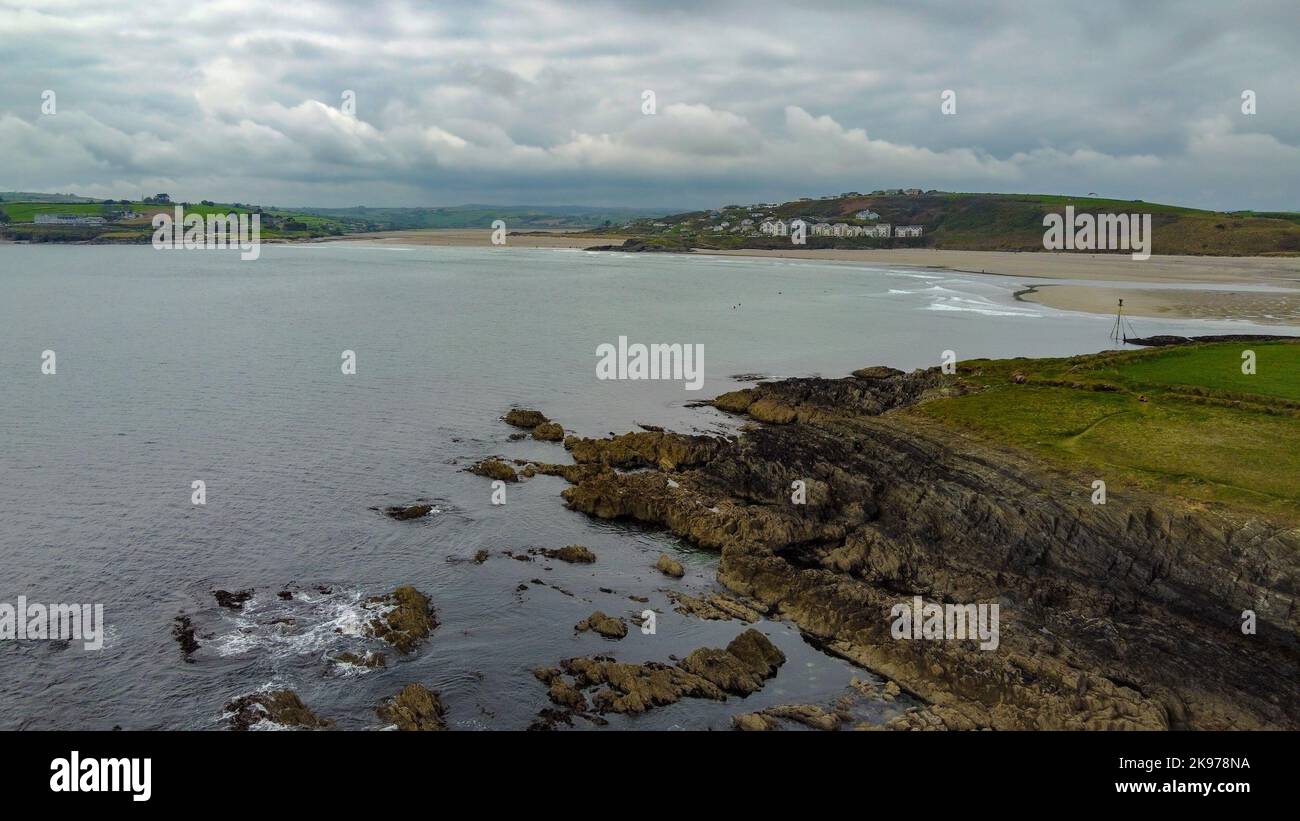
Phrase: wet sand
pixel 1263 307
pixel 472 237
pixel 1279 304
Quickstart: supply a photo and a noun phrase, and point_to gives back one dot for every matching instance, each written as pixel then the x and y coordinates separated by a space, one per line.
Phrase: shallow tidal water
pixel 174 366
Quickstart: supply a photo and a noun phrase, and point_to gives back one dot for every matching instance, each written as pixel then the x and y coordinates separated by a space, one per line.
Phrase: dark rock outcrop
pixel 749 660
pixel 232 601
pixel 406 513
pixel 1124 615
pixel 183 632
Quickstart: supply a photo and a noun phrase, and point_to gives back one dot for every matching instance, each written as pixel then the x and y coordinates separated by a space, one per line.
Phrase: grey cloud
pixel 540 102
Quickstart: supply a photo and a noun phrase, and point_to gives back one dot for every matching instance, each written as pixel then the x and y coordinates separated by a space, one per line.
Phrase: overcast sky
pixel 535 102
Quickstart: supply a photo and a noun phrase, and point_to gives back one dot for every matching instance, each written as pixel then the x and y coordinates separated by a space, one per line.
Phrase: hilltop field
pixel 1184 421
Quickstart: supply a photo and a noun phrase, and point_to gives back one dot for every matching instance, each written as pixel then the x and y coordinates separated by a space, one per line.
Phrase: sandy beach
pixel 469 237
pixel 1260 289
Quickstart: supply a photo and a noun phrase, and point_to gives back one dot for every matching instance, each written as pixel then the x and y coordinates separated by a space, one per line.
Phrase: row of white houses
pixel 67 219
pixel 781 228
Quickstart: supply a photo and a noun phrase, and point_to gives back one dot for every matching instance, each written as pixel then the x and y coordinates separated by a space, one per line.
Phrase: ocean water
pixel 180 366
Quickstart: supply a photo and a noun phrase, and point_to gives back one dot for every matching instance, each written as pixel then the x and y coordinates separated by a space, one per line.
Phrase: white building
pixel 867 215
pixel 907 231
pixel 880 230
pixel 774 228
pixel 66 219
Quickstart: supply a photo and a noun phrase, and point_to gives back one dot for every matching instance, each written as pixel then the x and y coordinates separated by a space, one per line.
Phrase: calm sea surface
pixel 182 366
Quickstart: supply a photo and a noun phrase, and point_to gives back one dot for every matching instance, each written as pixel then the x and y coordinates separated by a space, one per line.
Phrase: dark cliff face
pixel 1122 615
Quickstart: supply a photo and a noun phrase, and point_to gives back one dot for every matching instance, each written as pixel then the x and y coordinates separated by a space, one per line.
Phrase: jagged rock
pixel 566 695
pixel 669 566
pixel 409 618
pixel 635 688
pixel 714 607
pixel 809 715
pixel 548 432
pixel 573 554
pixel 757 652
pixel 370 659
pixel 754 722
pixel 415 708
pixel 667 451
pixel 403 514
pixel 232 601
pixel 183 631
pixel 748 661
pixel 735 401
pixel 525 418
pixel 480 556
pixel 549 719
pixel 281 707
pixel 494 469
pixel 876 372
pixel 608 626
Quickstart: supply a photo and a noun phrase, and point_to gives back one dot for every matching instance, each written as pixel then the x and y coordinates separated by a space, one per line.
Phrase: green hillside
pixel 18 211
pixel 983 222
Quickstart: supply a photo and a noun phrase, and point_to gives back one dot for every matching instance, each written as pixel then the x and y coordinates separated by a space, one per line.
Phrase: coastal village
pixel 762 220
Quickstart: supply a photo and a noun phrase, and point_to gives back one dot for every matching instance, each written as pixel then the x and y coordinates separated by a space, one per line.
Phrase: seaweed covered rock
pixel 607 626
pixel 749 660
pixel 282 708
pixel 407 618
pixel 669 566
pixel 416 708
pixel 549 432
pixel 636 688
pixel 405 513
pixel 525 418
pixel 494 469
pixel 573 554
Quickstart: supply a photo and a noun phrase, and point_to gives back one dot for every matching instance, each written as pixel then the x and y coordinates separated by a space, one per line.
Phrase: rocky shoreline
pixel 1118 616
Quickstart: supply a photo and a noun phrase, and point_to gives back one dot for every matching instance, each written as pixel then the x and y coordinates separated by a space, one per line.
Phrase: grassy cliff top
pixel 1183 420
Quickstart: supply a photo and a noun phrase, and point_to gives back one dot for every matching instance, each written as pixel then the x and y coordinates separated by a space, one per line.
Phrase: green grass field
pixel 26 211
pixel 1182 420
